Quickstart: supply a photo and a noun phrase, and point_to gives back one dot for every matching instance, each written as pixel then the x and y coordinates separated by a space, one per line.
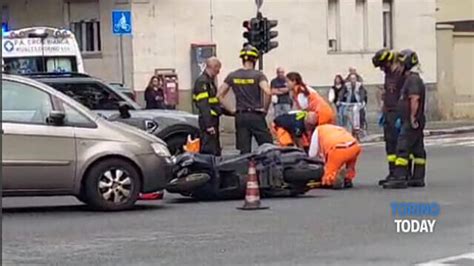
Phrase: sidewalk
pixel 376 134
pixel 432 129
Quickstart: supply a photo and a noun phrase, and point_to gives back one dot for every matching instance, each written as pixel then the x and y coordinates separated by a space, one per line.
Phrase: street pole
pixel 122 61
pixel 259 16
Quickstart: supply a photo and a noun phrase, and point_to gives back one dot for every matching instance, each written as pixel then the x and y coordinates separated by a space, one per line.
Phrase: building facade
pixel 455 52
pixel 318 38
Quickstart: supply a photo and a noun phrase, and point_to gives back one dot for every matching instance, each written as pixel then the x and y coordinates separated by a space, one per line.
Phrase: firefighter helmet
pixel 249 53
pixel 408 58
pixel 383 56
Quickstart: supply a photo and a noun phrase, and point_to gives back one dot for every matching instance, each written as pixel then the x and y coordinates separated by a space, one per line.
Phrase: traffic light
pixel 253 35
pixel 259 33
pixel 268 24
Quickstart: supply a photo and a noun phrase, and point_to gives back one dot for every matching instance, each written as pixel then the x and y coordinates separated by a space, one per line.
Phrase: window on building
pixel 84 19
pixel 88 35
pixel 333 25
pixel 362 24
pixel 387 24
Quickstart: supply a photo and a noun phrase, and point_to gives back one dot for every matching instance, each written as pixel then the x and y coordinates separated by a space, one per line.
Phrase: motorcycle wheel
pixel 187 184
pixel 303 174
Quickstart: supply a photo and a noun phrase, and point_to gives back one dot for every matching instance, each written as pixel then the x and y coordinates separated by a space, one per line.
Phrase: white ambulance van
pixel 40 50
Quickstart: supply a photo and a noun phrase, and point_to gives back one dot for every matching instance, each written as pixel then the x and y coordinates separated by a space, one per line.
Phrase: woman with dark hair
pixel 336 92
pixel 307 99
pixel 154 94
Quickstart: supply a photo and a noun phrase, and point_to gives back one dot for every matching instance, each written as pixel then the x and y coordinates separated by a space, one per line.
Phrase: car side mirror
pixel 56 118
pixel 124 109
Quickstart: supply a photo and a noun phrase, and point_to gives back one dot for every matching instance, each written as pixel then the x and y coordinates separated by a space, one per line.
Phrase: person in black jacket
pixel 154 94
pixel 336 92
pixel 206 101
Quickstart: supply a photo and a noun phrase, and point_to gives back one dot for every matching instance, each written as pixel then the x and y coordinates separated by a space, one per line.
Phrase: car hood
pixel 130 132
pixel 164 118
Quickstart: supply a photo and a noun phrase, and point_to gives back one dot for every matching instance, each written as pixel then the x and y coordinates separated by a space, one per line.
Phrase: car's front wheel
pixel 112 185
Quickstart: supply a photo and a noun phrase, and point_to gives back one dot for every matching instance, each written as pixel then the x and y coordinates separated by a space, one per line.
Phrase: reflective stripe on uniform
pixel 391 158
pixel 384 55
pixel 401 162
pixel 214 113
pixel 345 144
pixel 213 100
pixel 201 96
pixel 420 161
pixel 390 57
pixel 412 157
pixel 301 115
pixel 252 53
pixel 243 81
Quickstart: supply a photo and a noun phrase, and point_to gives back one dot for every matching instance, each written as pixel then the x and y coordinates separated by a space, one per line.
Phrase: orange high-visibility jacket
pixel 332 136
pixel 316 104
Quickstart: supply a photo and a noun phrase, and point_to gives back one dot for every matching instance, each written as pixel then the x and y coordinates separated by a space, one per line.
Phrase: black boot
pixel 391 169
pixel 340 177
pixel 418 182
pixel 395 183
pixel 383 181
pixel 348 183
pixel 418 176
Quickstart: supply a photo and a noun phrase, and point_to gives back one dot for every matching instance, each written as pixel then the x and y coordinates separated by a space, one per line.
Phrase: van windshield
pixel 28 65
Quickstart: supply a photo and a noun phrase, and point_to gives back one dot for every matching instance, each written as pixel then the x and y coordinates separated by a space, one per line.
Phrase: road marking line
pixel 445 261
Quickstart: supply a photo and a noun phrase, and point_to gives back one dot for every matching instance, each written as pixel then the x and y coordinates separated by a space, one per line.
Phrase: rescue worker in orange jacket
pixel 294 128
pixel 337 148
pixel 309 100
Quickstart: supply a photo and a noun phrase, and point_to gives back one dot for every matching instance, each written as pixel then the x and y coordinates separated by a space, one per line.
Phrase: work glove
pixel 398 124
pixel 381 121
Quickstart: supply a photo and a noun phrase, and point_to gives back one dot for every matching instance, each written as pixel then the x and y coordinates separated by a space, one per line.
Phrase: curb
pixel 428 132
pixel 457 130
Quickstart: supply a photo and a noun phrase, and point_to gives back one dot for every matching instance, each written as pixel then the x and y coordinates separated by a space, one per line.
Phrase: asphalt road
pixel 325 227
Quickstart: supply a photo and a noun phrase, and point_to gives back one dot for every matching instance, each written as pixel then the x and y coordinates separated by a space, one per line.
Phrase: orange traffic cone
pixel 252 194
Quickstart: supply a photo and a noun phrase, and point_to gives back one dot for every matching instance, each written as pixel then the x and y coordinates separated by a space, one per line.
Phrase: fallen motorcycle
pixel 282 171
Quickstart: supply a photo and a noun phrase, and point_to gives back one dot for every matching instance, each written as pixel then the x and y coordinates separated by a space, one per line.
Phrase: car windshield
pixel 93 95
pixel 52 64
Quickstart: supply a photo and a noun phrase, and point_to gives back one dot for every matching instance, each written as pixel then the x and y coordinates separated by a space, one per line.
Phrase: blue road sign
pixel 121 22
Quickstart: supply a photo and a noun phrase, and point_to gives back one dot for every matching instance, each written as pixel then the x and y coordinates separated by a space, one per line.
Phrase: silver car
pixel 52 145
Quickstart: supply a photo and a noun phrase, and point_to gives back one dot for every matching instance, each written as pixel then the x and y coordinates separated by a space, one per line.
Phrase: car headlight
pixel 160 149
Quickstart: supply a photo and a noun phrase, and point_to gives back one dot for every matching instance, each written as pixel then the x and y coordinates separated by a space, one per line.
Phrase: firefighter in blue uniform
pixel 385 59
pixel 205 98
pixel 411 139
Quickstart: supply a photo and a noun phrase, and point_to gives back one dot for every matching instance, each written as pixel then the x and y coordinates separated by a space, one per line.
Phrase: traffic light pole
pixel 259 16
